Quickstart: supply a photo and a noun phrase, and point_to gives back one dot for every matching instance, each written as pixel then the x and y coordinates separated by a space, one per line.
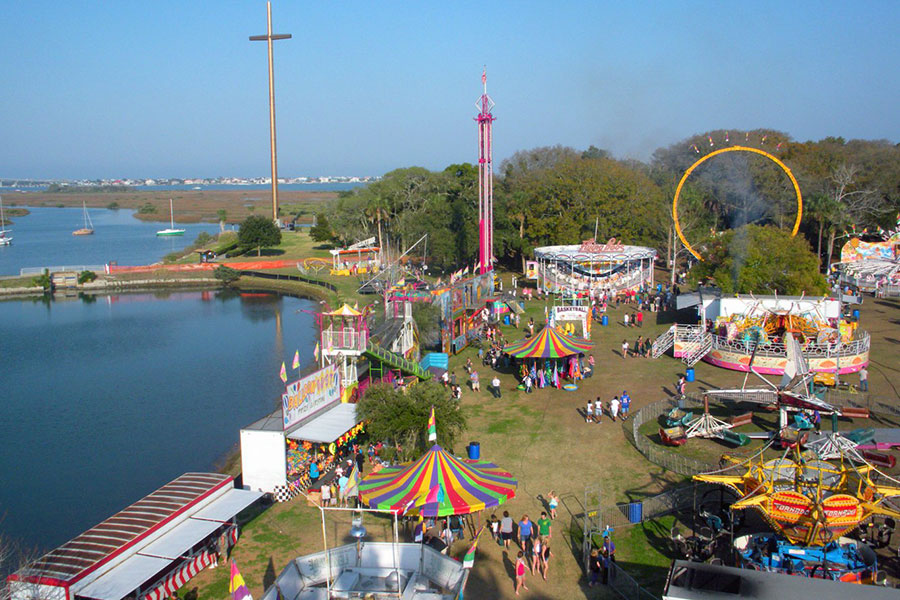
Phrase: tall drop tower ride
pixel 485 180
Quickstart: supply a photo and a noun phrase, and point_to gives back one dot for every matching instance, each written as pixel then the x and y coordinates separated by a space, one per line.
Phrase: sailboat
pixel 5 238
pixel 88 228
pixel 171 230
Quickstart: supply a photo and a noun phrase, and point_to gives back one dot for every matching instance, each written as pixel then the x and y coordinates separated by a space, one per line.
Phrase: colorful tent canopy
pixel 344 311
pixel 548 343
pixel 464 486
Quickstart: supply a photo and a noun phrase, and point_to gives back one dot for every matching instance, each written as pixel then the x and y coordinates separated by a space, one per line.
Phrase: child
pixel 626 404
pixel 495 530
pixel 552 503
pixel 537 551
pixel 520 572
pixel 598 410
pixel 545 557
pixel 589 413
pixel 614 407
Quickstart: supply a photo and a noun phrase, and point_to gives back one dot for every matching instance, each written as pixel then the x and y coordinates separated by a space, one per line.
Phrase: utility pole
pixel 269 38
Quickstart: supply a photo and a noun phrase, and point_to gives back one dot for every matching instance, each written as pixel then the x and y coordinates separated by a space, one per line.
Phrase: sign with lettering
pixel 591 246
pixel 366 243
pixel 302 398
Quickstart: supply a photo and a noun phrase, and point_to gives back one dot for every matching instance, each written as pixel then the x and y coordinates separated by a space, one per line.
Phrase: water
pixel 44 238
pixel 302 187
pixel 104 401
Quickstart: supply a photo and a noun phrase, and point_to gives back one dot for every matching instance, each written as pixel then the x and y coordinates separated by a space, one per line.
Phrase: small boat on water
pixel 88 228
pixel 171 231
pixel 5 238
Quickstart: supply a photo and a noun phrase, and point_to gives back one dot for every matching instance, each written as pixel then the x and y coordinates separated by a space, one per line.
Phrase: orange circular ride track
pixel 690 170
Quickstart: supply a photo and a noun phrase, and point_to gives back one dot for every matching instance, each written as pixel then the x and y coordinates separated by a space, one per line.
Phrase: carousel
pixel 591 266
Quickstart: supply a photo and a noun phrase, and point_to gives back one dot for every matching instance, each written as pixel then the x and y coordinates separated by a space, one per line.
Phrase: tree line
pixel 559 195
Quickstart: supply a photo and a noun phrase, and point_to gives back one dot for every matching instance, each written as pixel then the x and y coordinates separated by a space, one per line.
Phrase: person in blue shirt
pixel 313 472
pixel 625 400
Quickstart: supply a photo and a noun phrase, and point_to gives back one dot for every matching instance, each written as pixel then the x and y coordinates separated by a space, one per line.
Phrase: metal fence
pixel 281 276
pixel 626 586
pixel 26 271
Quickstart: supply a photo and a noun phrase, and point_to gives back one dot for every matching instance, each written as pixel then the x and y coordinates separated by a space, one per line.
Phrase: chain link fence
pixel 626 586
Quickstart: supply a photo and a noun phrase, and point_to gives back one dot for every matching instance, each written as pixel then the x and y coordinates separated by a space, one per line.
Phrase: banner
pixel 309 394
pixel 531 269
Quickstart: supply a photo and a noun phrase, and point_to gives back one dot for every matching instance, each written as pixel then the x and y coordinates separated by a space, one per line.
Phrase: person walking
pixel 495 387
pixel 520 572
pixel 536 556
pixel 506 528
pixel 589 412
pixel 598 410
pixel 476 383
pixel 545 557
pixel 864 379
pixel 624 349
pixel 594 567
pixel 625 319
pixel 545 526
pixel 614 408
pixel 526 530
pixel 680 387
pixel 552 503
pixel 625 404
pixel 495 530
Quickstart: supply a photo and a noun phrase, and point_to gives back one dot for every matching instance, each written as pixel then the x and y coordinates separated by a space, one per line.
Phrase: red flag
pixel 484 76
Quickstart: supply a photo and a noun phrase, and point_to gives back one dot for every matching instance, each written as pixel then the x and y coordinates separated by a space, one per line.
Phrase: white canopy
pixel 326 426
pixel 177 542
pixel 224 508
pixel 124 578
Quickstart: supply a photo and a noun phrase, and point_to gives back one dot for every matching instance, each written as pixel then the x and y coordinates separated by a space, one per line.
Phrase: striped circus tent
pixel 438 485
pixel 548 343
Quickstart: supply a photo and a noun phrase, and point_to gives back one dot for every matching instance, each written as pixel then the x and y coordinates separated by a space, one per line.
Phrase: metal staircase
pixel 663 342
pixel 697 344
pixel 395 361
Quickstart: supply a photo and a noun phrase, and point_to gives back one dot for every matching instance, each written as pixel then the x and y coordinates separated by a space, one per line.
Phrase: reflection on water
pixel 106 398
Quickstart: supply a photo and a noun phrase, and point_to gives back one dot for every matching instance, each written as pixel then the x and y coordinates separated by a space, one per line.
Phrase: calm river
pixel 105 400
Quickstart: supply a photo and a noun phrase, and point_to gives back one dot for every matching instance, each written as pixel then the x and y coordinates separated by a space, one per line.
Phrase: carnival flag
pixel 418 532
pixel 296 363
pixel 237 587
pixel 352 481
pixel 469 558
pixel 432 427
pixel 283 373
pixel 484 76
pixel 316 351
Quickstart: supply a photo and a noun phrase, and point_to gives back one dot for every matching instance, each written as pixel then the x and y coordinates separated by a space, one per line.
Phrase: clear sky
pixel 166 88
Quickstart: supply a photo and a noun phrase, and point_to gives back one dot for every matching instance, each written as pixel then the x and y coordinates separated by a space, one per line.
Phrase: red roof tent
pixel 83 554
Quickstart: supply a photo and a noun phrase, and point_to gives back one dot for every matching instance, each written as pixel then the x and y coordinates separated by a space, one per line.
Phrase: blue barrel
pixel 604 320
pixel 689 374
pixel 635 512
pixel 506 319
pixel 856 314
pixel 474 450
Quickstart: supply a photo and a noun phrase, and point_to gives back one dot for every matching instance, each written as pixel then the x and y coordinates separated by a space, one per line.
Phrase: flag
pixel 316 351
pixel 352 481
pixel 296 363
pixel 434 496
pixel 418 532
pixel 432 427
pixel 237 587
pixel 484 76
pixel 283 373
pixel 469 558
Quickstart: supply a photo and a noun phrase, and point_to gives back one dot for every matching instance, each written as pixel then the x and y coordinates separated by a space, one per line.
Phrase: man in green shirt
pixel 544 526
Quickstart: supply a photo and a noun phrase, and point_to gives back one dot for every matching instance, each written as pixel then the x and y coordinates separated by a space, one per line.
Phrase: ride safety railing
pixel 854 347
pixel 341 339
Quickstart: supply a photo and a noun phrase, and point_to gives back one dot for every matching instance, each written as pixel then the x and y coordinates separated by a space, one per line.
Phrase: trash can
pixel 506 319
pixel 604 320
pixel 635 512
pixel 474 449
pixel 689 374
pixel 856 314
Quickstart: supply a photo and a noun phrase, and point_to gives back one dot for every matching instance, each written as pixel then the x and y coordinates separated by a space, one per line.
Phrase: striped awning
pixel 180 577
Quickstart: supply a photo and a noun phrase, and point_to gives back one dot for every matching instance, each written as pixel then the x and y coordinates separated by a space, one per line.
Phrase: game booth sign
pixel 312 424
pixel 589 266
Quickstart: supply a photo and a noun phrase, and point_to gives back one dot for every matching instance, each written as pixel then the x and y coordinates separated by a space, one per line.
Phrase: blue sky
pixel 165 88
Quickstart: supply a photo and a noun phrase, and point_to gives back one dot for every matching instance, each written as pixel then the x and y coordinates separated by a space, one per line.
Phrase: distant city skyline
pixel 165 89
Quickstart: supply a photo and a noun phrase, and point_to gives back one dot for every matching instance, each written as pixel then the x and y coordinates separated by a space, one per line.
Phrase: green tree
pixel 258 232
pixel 226 275
pixel 402 417
pixel 321 232
pixel 762 260
pixel 222 214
